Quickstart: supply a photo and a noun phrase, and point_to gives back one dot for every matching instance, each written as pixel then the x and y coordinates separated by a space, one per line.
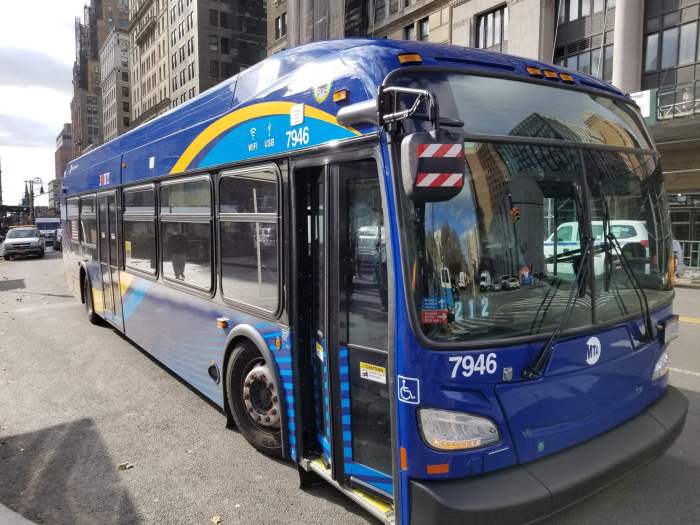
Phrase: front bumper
pixel 533 491
pixel 23 251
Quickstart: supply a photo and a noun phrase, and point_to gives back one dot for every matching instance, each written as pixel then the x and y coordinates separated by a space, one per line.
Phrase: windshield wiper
pixel 535 369
pixel 615 243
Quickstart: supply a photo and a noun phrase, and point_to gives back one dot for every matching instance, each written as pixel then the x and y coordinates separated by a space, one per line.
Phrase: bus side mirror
pixel 433 165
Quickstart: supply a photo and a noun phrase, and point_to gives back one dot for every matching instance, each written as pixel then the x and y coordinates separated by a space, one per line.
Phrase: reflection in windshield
pixel 500 258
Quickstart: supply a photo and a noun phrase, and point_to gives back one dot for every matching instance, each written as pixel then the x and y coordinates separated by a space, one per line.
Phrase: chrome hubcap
pixel 260 397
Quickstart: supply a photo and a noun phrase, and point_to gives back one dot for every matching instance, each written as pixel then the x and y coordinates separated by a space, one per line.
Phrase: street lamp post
pixel 32 182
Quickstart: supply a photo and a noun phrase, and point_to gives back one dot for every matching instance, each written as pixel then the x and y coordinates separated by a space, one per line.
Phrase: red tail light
pixel 644 242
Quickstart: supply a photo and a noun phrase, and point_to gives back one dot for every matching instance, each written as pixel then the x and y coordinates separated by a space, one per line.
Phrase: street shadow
pixel 11 284
pixel 63 475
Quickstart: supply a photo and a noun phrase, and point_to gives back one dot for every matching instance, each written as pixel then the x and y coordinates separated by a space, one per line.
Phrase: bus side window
pixel 249 238
pixel 186 232
pixel 72 232
pixel 88 226
pixel 139 226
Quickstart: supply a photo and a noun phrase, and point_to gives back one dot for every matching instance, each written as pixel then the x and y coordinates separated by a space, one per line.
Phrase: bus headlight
pixel 445 430
pixel 661 367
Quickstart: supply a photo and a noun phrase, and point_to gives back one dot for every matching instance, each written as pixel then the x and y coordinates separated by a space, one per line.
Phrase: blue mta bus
pixel 438 278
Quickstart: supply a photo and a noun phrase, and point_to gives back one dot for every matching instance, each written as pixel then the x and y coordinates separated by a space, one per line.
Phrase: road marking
pixel 681 371
pixel 694 320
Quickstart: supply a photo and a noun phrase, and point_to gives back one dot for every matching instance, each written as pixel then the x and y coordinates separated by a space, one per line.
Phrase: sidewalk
pixel 689 279
pixel 8 517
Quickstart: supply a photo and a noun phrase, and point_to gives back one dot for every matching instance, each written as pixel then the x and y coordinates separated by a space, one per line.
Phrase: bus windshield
pixel 499 259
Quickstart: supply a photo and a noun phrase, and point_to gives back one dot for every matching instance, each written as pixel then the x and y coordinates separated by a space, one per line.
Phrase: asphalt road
pixel 77 400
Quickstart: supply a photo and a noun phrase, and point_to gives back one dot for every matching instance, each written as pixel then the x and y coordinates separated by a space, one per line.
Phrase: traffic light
pixel 514 214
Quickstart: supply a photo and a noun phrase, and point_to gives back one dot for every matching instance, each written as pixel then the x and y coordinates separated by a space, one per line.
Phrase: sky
pixel 37 49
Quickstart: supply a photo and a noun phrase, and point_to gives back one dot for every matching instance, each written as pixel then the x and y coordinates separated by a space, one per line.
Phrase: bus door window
pixel 363 317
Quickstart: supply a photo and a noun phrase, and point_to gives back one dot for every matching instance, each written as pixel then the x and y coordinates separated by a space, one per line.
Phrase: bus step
pixel 376 507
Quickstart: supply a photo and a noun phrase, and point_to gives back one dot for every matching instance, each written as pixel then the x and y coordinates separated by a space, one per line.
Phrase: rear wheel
pixel 87 299
pixel 41 254
pixel 254 399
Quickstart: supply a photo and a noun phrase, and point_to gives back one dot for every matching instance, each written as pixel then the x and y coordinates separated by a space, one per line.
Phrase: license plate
pixel 669 329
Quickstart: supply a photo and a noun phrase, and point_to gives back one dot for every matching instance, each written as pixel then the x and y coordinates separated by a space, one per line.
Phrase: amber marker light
pixel 534 71
pixel 441 468
pixel 340 95
pixel 278 343
pixel 222 322
pixel 550 74
pixel 566 77
pixel 410 58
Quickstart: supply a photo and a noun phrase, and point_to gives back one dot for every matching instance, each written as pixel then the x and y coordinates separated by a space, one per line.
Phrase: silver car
pixel 23 240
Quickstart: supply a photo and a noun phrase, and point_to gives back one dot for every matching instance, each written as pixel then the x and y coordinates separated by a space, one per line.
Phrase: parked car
pixel 58 240
pixel 23 240
pixel 485 280
pixel 512 284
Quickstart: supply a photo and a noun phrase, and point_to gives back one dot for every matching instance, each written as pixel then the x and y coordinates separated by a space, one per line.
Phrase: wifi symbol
pixel 253 131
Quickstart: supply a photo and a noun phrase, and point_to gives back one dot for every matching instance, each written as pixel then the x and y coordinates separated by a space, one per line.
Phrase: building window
pixel 224 20
pixel 379 10
pixel 225 45
pixel 409 32
pixel 214 43
pixel 213 17
pixel 214 68
pixel 571 10
pixel 281 26
pixel 492 29
pixel 423 29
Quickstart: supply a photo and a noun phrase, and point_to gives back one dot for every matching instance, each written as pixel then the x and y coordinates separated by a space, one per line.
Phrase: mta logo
pixel 593 350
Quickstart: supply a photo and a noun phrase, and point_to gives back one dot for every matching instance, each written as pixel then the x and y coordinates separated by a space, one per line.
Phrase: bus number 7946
pixel 483 364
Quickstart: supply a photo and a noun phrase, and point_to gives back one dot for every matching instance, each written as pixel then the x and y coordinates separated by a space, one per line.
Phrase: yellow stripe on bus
pixel 225 123
pixel 694 320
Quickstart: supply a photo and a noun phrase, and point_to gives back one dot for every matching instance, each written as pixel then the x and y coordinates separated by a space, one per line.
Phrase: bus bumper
pixel 533 491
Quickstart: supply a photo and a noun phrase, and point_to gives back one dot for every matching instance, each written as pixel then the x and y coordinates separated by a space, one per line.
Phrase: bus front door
pixel 349 325
pixel 108 254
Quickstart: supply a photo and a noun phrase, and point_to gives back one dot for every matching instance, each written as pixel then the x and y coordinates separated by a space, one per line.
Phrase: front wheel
pixel 254 399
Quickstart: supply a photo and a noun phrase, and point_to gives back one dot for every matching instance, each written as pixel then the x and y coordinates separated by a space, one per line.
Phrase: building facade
pixel 180 48
pixel 62 156
pixel 294 22
pixel 114 76
pixel 99 18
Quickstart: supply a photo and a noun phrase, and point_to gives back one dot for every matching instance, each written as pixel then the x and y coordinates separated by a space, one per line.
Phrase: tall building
pixel 180 48
pixel 114 75
pixel 63 155
pixel 294 22
pixel 99 18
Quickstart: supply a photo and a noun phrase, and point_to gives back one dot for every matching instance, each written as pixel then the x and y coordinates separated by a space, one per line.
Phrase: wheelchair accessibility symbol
pixel 409 390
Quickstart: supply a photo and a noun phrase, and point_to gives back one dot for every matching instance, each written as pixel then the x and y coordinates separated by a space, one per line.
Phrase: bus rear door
pixel 108 255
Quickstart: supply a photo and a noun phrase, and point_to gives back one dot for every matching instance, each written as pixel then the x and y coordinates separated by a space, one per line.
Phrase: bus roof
pixel 262 111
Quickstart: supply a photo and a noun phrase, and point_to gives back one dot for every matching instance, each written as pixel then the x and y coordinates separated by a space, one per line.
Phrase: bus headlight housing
pixel 661 367
pixel 446 430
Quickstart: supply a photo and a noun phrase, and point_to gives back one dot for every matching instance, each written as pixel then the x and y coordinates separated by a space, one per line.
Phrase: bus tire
pixel 253 399
pixel 89 307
